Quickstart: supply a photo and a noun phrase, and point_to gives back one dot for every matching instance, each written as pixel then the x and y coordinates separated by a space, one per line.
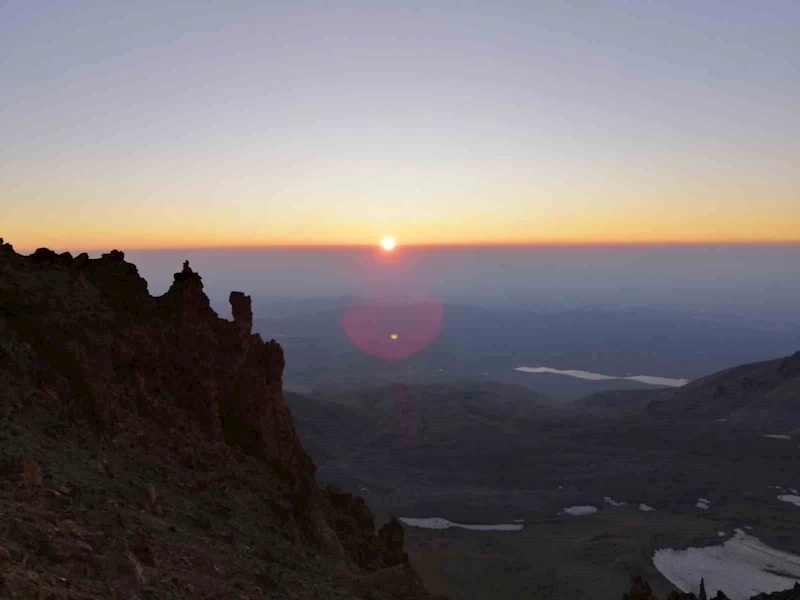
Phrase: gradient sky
pixel 153 124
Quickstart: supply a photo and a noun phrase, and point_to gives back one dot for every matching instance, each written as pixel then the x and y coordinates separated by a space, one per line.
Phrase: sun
pixel 388 243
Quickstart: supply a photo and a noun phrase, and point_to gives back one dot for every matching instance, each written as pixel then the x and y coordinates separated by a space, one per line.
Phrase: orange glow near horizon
pixel 62 243
pixel 556 227
pixel 66 246
pixel 250 129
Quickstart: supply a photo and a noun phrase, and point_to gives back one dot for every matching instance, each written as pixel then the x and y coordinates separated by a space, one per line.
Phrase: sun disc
pixel 388 243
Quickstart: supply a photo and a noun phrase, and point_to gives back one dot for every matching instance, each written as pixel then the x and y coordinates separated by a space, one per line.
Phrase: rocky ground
pixel 146 451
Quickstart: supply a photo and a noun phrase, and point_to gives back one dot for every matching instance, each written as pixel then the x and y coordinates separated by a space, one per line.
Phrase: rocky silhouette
pixel 146 450
pixel 640 590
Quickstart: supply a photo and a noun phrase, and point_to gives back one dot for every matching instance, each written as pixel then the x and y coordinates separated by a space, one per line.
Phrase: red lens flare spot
pixel 392 331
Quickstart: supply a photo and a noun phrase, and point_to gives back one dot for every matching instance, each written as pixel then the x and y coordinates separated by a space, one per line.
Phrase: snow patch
pixel 644 508
pixel 703 505
pixel 439 523
pixel 722 420
pixel 580 510
pixel 741 567
pixel 792 499
pixel 721 534
pixel 610 500
pixel 778 436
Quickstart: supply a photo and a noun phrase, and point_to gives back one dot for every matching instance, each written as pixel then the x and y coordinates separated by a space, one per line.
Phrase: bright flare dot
pixel 388 243
pixel 393 336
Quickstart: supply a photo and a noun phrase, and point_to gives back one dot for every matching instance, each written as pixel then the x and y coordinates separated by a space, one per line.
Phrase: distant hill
pixel 418 415
pixel 617 403
pixel 763 394
pixel 384 437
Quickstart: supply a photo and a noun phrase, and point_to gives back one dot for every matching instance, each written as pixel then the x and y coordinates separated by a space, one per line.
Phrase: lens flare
pixel 393 331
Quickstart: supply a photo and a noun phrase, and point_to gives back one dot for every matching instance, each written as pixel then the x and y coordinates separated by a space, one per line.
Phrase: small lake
pixel 578 374
pixel 439 523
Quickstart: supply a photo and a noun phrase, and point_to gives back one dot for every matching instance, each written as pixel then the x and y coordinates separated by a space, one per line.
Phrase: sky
pixel 168 125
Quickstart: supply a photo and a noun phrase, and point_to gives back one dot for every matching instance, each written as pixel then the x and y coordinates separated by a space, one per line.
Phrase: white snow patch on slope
pixel 610 500
pixel 580 510
pixel 778 436
pixel 439 523
pixel 644 508
pixel 790 498
pixel 648 379
pixel 741 567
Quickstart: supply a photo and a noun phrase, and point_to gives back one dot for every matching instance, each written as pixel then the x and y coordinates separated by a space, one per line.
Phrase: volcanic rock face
pixel 354 524
pixel 171 394
pixel 242 311
pixel 392 539
pixel 169 358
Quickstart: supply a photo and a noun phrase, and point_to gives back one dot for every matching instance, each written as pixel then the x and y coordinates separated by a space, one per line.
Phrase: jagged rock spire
pixel 242 311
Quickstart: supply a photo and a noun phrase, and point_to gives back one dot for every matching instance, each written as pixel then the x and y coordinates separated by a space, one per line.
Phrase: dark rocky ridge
pixel 110 391
pixel 170 358
pixel 763 394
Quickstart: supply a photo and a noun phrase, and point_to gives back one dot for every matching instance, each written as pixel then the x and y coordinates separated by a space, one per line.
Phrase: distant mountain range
pixel 478 343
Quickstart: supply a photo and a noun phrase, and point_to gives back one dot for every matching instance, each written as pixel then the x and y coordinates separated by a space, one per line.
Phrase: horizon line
pixel 418 245
pixel 432 245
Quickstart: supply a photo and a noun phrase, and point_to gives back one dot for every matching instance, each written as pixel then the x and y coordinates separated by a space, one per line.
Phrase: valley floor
pixel 702 480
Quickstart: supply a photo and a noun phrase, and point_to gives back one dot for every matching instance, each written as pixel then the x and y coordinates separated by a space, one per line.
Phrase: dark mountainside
pixel 146 450
pixel 617 403
pixel 763 394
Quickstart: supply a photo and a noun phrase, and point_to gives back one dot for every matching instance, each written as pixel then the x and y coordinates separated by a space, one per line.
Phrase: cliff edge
pixel 146 450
